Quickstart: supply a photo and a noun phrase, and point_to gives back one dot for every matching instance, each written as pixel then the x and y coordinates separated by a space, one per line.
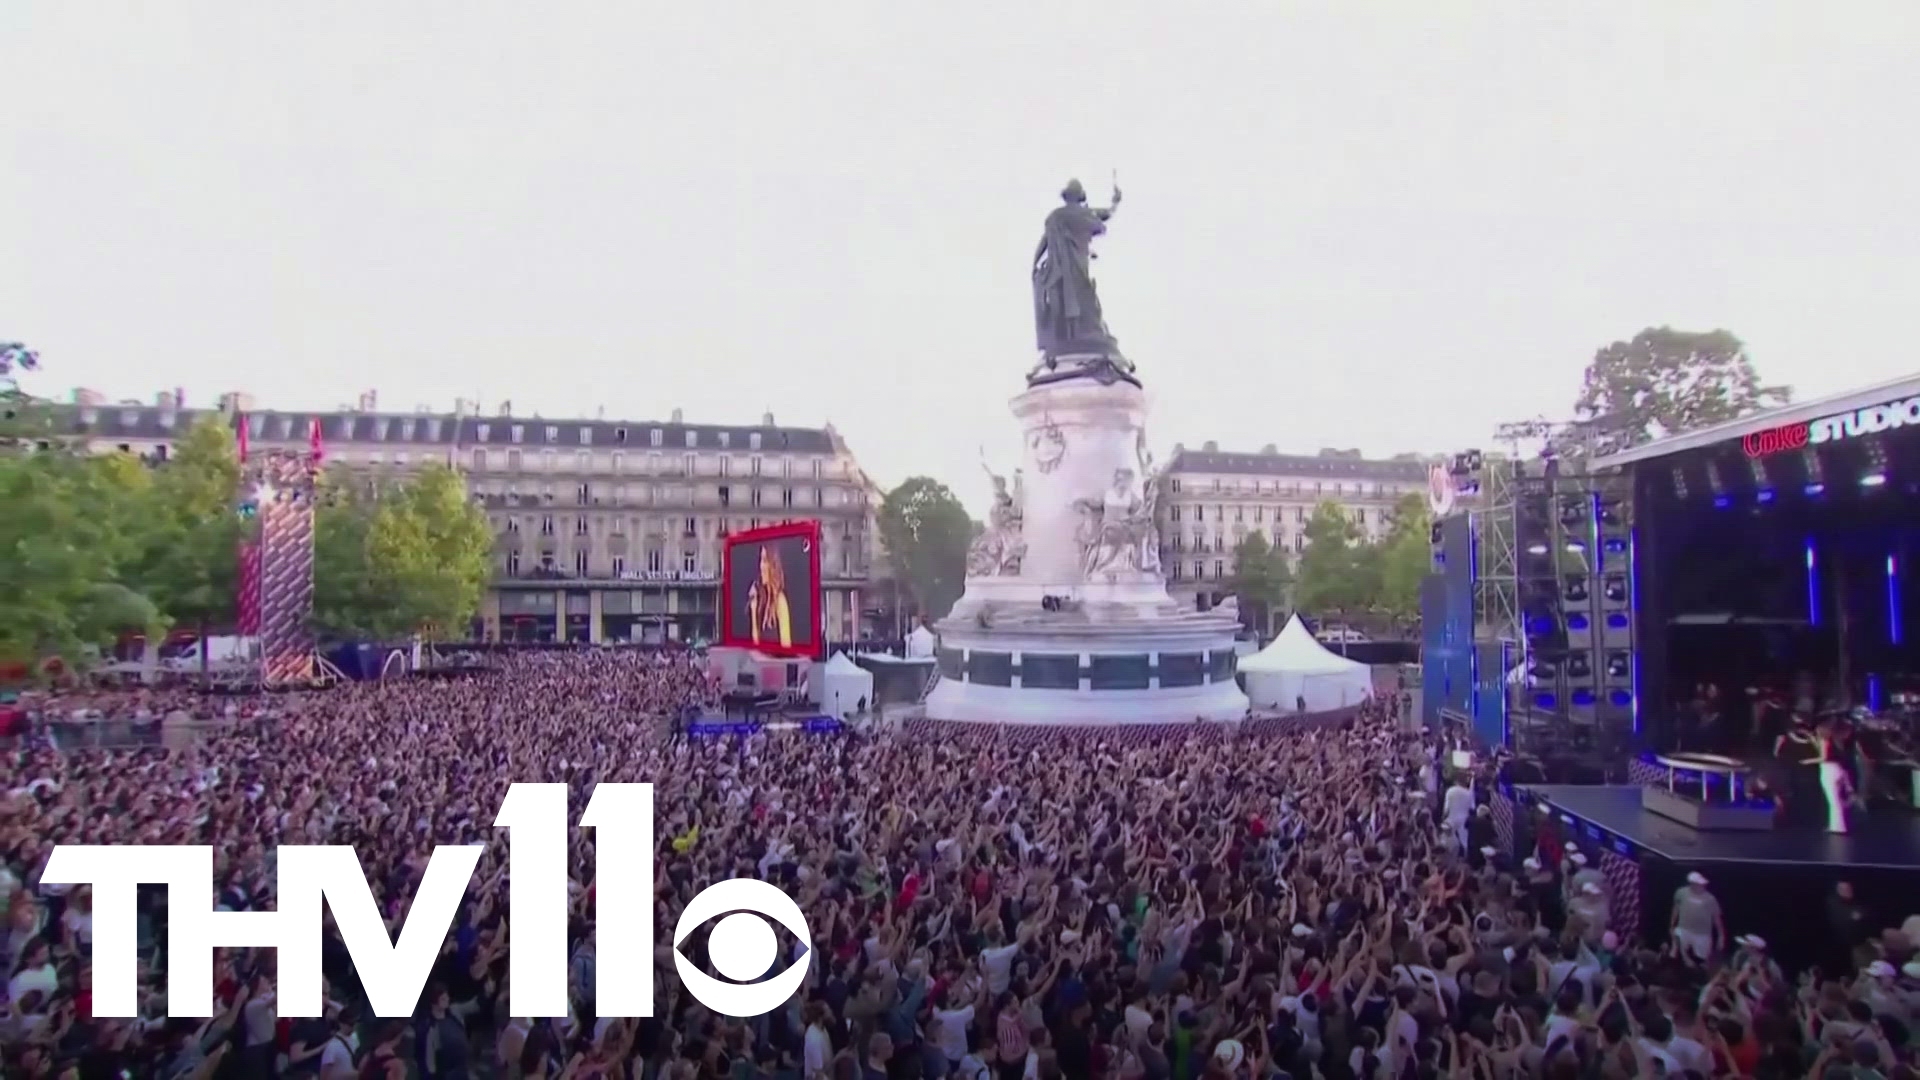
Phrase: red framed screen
pixel 770 590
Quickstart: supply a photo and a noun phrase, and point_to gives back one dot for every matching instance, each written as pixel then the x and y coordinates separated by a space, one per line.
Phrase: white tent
pixel 843 685
pixel 919 643
pixel 1295 666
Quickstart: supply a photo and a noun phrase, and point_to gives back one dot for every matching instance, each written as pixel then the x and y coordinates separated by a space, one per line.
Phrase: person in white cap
pixel 1697 928
pixel 1589 905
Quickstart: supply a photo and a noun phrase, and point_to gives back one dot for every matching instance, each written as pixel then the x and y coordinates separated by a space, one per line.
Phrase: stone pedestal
pixel 1062 643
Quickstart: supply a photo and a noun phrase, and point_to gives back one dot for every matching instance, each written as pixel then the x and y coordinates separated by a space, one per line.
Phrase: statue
pixel 1066 305
pixel 1116 532
pixel 1152 487
pixel 998 551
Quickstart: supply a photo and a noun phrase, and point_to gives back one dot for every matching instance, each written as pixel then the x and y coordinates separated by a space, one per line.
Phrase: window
pixel 1299 515
pixel 580 562
pixel 513 525
pixel 726 439
pixel 726 465
pixel 1220 568
pixel 687 463
pixel 406 430
pixel 693 527
pixel 1176 484
pixel 693 438
pixel 546 561
pixel 1219 512
pixel 846 562
pixel 1175 567
pixel 546 461
pixel 1173 514
pixel 753 441
pixel 754 497
pixel 583 461
pixel 583 494
pixel 819 497
pixel 1176 545
pixel 726 495
pixel 619 461
pixel 1199 570
pixel 479 461
pixel 1299 543
pixel 553 433
pixel 754 466
pixel 653 464
pixel 1360 516
pixel 657 437
pixel 620 435
pixel 786 498
pixel 513 563
pixel 1216 483
pixel 482 432
pixel 689 562
pixel 580 526
pixel 513 461
pixel 786 468
pixel 1259 514
pixel 619 566
pixel 546 524
pixel 1239 513
pixel 586 435
pixel 817 463
pixel 656 561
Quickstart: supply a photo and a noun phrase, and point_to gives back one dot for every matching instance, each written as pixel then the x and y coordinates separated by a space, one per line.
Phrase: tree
pixel 20 415
pixel 1337 573
pixel 186 556
pixel 415 560
pixel 1667 381
pixel 61 546
pixel 926 531
pixel 1261 579
pixel 1406 558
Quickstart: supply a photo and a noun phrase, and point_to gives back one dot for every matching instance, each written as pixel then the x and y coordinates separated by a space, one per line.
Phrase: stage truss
pixel 1496 586
pixel 276 567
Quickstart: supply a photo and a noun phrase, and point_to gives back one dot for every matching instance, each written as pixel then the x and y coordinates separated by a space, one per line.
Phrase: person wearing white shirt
pixel 818 1051
pixel 1457 808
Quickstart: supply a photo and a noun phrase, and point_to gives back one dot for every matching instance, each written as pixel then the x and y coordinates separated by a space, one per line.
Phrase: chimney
pixel 676 417
pixel 370 401
pixel 1210 447
pixel 87 396
pixel 506 407
pixel 766 419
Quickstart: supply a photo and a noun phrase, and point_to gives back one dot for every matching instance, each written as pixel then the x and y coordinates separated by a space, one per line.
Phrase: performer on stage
pixel 1834 781
pixel 1793 750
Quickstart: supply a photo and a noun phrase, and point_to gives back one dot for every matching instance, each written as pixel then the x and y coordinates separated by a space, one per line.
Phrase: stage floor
pixel 1888 839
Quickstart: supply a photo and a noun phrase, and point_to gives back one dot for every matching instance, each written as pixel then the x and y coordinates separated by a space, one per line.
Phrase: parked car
pixel 1340 635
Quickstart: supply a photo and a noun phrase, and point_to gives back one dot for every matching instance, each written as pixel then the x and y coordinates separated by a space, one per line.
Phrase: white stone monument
pixel 1066 617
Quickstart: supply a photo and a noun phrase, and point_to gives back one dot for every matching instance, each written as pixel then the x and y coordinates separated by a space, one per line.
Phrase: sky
pixel 1387 225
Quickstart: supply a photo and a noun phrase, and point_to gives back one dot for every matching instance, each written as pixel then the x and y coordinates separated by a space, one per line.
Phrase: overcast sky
pixel 1383 225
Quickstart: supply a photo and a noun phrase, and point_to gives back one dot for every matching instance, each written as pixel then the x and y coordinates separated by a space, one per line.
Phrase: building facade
pixel 606 531
pixel 1214 498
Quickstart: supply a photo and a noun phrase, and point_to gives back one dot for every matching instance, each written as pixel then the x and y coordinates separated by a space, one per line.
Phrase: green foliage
pixel 64 538
pixel 926 531
pixel 1261 579
pixel 1406 558
pixel 1337 571
pixel 187 543
pixel 1667 381
pixel 415 560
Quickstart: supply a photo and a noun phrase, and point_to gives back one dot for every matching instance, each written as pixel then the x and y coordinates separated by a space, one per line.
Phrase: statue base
pixel 1103 365
pixel 1055 643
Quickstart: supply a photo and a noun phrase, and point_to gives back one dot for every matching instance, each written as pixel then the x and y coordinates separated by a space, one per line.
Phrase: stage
pixel 1775 884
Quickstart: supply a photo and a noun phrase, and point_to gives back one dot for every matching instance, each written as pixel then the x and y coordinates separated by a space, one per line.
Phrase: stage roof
pixel 1799 413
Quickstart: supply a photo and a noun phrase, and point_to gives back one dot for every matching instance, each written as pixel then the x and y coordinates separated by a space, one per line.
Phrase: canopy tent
pixel 1296 667
pixel 844 686
pixel 919 643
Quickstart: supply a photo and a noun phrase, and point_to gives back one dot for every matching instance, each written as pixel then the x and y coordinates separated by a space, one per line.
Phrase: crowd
pixel 1208 905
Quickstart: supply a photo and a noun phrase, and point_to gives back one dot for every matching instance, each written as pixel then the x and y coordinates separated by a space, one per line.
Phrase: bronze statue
pixel 1066 306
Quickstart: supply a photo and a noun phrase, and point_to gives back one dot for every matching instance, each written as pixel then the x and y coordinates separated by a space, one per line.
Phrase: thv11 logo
pixel 394 972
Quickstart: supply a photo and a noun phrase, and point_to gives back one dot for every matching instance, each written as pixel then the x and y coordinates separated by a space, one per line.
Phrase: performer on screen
pixel 768 615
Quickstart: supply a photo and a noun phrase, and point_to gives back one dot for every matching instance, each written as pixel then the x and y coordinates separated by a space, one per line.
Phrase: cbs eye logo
pixel 742 947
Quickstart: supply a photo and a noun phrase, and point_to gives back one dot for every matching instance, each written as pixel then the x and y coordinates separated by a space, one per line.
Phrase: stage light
pixel 1614 588
pixel 1721 502
pixel 1616 546
pixel 1766 495
pixel 1578 667
pixel 1894 615
pixel 1583 697
pixel 1621 699
pixel 1577 623
pixel 1618 620
pixel 1574 591
pixel 1813 584
pixel 1619 665
pixel 1572 511
pixel 1816 489
pixel 1536 549
pixel 1873 480
pixel 1679 481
